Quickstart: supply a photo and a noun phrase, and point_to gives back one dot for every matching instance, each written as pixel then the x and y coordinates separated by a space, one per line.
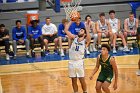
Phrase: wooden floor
pixel 52 77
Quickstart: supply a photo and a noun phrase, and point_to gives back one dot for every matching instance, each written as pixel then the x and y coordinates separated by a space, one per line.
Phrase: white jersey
pixel 77 50
pixel 114 23
pixel 131 25
pixel 102 27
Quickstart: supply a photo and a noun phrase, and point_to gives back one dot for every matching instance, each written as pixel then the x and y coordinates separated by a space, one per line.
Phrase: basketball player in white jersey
pixel 76 55
pixel 103 28
pixel 130 26
pixel 116 31
pixel 93 32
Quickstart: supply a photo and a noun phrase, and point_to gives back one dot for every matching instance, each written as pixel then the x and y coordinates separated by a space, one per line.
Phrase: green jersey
pixel 106 73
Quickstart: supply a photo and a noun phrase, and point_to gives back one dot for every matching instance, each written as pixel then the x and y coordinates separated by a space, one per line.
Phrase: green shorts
pixel 102 77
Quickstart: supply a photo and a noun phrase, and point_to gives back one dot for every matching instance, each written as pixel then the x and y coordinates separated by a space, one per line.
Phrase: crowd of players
pixel 109 28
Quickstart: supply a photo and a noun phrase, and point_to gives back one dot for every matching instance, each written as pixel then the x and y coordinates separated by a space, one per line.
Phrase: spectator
pixel 103 28
pixel 62 35
pixel 4 39
pixel 49 31
pixel 130 26
pixel 20 38
pixel 35 34
pixel 75 28
pixel 93 32
pixel 116 30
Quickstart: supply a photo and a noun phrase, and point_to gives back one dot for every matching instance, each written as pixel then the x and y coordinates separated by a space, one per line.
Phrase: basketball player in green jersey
pixel 138 39
pixel 108 68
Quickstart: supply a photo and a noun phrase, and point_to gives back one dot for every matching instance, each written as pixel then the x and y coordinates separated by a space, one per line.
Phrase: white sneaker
pixel 126 49
pixel 62 53
pixel 114 51
pixel 94 49
pixel 7 57
pixel 138 73
pixel 87 52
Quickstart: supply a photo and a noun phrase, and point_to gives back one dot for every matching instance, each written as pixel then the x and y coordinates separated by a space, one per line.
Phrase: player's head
pixel 34 23
pixel 88 18
pixel 2 27
pixel 64 21
pixel 131 16
pixel 78 20
pixel 102 16
pixel 112 14
pixel 48 20
pixel 18 23
pixel 105 49
pixel 82 32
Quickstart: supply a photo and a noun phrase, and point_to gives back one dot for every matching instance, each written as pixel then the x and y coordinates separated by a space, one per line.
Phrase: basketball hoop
pixel 71 6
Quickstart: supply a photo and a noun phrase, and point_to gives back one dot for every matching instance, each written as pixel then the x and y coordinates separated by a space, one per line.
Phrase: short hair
pixel 84 30
pixel 2 25
pixel 131 13
pixel 64 21
pixel 102 14
pixel 87 17
pixel 111 11
pixel 34 21
pixel 48 18
pixel 18 21
pixel 106 46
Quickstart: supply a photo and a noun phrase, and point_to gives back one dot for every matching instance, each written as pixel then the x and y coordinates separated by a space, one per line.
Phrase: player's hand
pixel 91 77
pixel 21 41
pixel 115 86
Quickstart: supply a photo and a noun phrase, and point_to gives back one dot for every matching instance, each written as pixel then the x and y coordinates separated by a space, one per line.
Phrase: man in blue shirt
pixel 62 35
pixel 35 34
pixel 76 26
pixel 19 37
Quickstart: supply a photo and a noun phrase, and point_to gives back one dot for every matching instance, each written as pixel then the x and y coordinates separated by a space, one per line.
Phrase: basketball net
pixel 70 7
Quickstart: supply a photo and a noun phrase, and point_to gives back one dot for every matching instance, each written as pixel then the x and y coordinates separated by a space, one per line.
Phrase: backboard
pixel 55 4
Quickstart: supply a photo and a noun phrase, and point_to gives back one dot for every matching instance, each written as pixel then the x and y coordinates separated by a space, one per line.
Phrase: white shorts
pixel 76 68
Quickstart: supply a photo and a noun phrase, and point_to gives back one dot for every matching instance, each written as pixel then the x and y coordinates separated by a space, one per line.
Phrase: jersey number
pixel 77 48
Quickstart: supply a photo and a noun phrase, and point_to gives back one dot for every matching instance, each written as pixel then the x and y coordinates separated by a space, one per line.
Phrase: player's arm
pixel 96 68
pixel 69 34
pixel 125 26
pixel 137 24
pixel 115 70
pixel 119 25
pixel 93 27
pixel 88 38
pixel 97 27
pixel 109 27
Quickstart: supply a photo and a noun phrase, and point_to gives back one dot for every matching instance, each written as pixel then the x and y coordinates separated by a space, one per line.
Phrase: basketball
pixel 74 15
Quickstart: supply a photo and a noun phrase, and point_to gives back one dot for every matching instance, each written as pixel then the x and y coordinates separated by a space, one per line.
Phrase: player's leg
pixel 60 45
pixel 125 35
pixel 69 42
pixel 123 41
pixel 83 84
pixel 74 84
pixel 27 47
pixel 114 42
pixel 32 43
pixel 95 41
pixel 98 87
pixel 15 48
pixel 105 87
pixel 7 47
pixel 40 39
pixel 99 39
pixel 46 41
pixel 55 40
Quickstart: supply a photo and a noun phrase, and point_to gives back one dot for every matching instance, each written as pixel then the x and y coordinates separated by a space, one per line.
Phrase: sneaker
pixel 7 57
pixel 28 55
pixel 55 52
pixel 94 49
pixel 87 52
pixel 126 49
pixel 14 57
pixel 47 52
pixel 138 73
pixel 131 48
pixel 62 53
pixel 114 51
